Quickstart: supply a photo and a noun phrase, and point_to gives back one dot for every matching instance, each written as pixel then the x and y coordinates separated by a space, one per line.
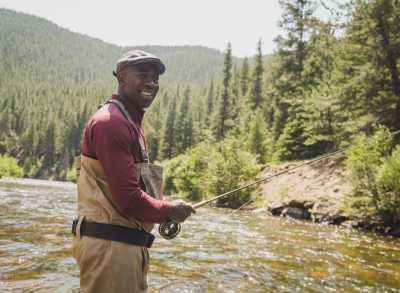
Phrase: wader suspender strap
pixel 113 232
pixel 143 150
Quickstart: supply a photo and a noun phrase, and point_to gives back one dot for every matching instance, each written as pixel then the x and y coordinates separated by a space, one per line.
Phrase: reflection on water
pixel 216 251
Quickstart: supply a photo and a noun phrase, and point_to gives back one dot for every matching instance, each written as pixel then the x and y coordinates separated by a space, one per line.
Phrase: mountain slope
pixel 33 44
pixel 52 79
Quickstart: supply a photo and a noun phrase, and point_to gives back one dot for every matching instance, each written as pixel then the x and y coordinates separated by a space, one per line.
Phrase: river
pixel 216 251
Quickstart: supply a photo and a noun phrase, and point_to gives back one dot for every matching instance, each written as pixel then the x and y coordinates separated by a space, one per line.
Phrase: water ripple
pixel 217 251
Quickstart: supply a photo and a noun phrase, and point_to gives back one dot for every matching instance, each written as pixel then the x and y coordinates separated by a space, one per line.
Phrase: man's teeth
pixel 146 93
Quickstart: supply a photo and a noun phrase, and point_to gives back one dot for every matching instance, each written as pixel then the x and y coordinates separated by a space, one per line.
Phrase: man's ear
pixel 121 78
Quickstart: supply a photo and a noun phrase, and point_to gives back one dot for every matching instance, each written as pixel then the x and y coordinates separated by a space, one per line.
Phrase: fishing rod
pixel 171 229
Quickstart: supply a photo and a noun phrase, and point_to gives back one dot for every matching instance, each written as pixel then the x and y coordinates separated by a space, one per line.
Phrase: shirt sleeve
pixel 112 145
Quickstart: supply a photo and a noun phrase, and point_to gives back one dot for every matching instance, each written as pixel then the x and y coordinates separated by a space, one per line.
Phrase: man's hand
pixel 180 211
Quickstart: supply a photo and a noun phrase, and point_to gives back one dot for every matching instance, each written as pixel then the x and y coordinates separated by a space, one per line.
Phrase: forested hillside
pixel 51 79
pixel 327 82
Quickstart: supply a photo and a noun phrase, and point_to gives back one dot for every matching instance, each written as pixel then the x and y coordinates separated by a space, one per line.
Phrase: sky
pixel 211 23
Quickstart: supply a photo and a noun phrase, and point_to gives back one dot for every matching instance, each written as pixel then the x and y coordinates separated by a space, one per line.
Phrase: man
pixel 119 191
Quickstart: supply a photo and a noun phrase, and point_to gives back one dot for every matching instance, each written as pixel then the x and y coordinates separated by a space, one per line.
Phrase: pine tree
pixel 167 137
pixel 287 82
pixel 236 101
pixel 244 77
pixel 153 131
pixel 48 147
pixel 255 94
pixel 257 138
pixel 183 124
pixel 223 122
pixel 373 48
pixel 324 120
pixel 297 19
pixel 209 103
pixel 187 137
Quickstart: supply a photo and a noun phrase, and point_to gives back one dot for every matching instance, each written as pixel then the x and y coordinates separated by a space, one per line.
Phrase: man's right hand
pixel 180 211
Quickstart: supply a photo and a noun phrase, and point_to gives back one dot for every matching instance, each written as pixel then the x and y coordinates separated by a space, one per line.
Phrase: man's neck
pixel 136 112
pixel 124 98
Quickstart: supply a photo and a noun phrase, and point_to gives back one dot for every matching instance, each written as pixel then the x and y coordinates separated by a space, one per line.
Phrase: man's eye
pixel 142 75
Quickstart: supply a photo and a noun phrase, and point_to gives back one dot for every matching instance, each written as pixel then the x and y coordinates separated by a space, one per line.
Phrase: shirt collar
pixel 136 114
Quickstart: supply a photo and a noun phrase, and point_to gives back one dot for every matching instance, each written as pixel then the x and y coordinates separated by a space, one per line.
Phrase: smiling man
pixel 119 190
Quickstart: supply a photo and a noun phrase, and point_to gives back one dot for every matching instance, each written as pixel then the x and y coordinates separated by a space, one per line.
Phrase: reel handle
pixel 169 230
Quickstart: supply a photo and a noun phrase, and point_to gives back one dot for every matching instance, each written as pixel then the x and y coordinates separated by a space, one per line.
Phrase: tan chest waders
pixel 110 248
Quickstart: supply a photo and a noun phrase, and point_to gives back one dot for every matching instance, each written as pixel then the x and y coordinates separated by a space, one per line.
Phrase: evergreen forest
pixel 328 81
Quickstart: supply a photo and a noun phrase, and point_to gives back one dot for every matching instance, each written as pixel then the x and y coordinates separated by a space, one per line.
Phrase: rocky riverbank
pixel 317 193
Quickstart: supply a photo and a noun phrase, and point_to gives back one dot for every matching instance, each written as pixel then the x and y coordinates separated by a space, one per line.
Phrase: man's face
pixel 139 83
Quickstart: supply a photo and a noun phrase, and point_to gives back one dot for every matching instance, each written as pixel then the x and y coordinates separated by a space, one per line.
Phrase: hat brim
pixel 160 67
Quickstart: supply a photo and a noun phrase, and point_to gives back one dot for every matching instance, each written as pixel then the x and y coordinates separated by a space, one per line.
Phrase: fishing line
pixel 243 205
pixel 171 229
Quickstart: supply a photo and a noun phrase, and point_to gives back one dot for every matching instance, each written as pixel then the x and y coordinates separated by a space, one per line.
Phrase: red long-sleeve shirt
pixel 111 139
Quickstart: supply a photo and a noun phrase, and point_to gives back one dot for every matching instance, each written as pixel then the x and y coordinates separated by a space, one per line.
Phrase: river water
pixel 217 250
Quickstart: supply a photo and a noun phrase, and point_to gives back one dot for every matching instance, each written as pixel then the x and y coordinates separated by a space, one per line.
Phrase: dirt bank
pixel 314 192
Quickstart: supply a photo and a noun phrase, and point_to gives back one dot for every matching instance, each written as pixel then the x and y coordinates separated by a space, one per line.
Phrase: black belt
pixel 114 233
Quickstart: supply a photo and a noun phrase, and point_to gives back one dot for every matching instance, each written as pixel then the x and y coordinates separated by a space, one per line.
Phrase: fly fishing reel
pixel 169 230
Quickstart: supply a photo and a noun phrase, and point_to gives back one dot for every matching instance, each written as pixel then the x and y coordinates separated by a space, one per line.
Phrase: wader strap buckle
pixel 76 227
pixel 74 224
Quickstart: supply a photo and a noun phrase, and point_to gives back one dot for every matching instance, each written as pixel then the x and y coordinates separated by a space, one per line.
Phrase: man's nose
pixel 152 84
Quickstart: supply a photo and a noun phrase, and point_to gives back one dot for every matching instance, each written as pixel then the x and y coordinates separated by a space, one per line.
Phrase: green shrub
pixel 210 169
pixel 232 167
pixel 169 173
pixel 9 167
pixel 389 183
pixel 374 176
pixel 32 167
pixel 185 173
pixel 71 175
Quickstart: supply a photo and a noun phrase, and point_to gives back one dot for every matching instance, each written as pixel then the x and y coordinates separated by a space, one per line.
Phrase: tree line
pixel 327 81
